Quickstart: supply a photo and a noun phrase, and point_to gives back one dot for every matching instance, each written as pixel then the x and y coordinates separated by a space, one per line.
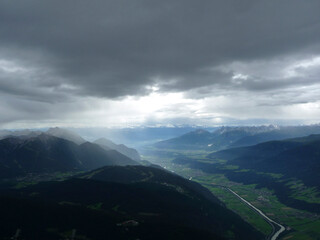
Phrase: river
pixel 275 234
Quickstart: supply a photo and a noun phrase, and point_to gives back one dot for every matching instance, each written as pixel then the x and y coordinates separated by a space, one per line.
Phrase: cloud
pixel 55 55
pixel 114 48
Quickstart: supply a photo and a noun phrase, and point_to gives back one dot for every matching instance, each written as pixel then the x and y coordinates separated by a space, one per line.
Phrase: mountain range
pixel 103 142
pixel 73 137
pixel 137 137
pixel 106 192
pixel 46 154
pixel 229 137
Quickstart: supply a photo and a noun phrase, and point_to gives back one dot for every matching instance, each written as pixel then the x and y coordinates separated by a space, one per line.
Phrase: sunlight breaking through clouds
pixel 159 63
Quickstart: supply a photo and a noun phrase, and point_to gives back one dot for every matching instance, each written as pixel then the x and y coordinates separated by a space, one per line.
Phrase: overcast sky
pixel 141 62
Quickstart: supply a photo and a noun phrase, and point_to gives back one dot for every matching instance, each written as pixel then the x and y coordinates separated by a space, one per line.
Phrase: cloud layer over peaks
pixel 55 54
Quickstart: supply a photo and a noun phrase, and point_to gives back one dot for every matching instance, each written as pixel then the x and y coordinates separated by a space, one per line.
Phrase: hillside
pixel 298 157
pixel 134 174
pixel 157 204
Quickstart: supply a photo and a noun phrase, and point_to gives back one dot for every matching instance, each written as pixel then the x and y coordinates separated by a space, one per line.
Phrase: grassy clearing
pixel 304 193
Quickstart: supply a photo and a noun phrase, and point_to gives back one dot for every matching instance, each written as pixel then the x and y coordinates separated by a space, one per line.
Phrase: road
pixel 274 234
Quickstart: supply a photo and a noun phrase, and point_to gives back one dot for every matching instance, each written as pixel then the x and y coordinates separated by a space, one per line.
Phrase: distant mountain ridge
pixel 136 137
pixel 19 133
pixel 55 131
pixel 45 153
pixel 66 134
pixel 229 137
pixel 281 133
pixel 103 142
pixel 73 137
pixel 121 148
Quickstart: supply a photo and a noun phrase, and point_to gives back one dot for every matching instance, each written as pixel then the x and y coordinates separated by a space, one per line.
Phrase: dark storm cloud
pixel 116 48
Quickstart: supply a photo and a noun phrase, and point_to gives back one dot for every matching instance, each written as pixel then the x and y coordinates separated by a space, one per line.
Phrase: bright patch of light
pixel 297 68
pixel 10 67
pixel 153 88
pixel 133 111
pixel 240 76
pixel 67 87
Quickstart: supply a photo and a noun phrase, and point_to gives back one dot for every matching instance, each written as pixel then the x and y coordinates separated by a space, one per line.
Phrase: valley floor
pixel 300 224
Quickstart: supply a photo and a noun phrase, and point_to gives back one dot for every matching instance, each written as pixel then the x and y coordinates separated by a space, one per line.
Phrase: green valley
pixel 212 173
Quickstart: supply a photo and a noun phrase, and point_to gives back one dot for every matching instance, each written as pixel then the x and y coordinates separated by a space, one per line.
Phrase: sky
pixel 119 63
